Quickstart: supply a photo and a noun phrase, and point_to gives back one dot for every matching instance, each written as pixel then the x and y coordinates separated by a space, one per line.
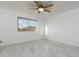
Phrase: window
pixel 25 24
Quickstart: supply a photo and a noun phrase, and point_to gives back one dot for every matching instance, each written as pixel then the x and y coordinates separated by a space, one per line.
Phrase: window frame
pixel 28 24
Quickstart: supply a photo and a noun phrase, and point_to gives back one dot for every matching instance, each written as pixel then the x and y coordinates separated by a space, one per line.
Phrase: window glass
pixel 25 24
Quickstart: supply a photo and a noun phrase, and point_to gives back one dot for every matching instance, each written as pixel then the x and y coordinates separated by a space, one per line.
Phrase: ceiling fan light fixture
pixel 41 9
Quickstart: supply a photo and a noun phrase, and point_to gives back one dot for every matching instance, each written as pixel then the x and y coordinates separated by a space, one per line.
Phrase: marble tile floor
pixel 39 48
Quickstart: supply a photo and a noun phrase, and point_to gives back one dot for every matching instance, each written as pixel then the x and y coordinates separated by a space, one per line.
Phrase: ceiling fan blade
pixel 48 5
pixel 46 10
pixel 36 2
pixel 38 12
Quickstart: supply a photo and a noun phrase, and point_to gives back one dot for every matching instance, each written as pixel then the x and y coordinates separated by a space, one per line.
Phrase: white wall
pixel 64 27
pixel 8 28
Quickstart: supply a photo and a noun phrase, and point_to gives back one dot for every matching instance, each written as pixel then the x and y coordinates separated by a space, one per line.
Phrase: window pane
pixel 32 23
pixel 25 24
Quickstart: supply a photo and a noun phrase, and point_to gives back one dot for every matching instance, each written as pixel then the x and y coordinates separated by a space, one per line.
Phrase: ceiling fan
pixel 41 7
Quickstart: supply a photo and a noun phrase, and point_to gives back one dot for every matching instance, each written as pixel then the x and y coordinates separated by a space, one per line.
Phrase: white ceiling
pixel 23 6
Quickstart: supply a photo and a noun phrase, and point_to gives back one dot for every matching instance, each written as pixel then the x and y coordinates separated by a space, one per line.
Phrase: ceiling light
pixel 41 9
